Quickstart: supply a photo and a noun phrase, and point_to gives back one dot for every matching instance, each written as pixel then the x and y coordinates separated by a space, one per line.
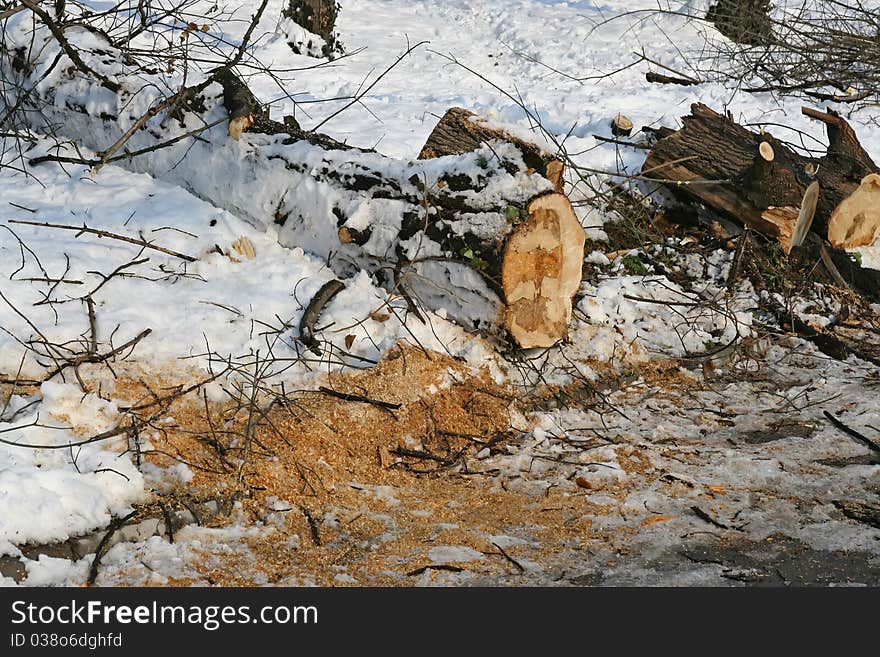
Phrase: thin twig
pixel 313 311
pixel 93 326
pixel 509 558
pixel 105 544
pixel 103 233
pixel 347 396
pixel 364 92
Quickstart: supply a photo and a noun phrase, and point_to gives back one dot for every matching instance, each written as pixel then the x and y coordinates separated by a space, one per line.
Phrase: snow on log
pixel 460 131
pixel 541 271
pixel 756 179
pixel 433 230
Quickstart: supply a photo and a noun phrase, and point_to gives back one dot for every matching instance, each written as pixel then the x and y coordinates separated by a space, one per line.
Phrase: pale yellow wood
pixel 541 272
pixel 856 221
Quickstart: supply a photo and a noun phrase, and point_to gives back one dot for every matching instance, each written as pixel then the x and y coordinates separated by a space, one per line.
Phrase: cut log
pixel 460 131
pixel 856 221
pixel 621 126
pixel 541 272
pixel 240 103
pixel 756 179
pixel 433 230
pixel 806 214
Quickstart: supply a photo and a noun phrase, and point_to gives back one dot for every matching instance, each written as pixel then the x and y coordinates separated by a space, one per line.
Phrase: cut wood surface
pixel 621 126
pixel 461 131
pixel 541 271
pixel 758 180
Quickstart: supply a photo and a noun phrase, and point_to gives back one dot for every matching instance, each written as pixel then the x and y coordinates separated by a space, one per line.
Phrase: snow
pixel 655 315
pixel 51 493
pixel 443 554
pixel 551 58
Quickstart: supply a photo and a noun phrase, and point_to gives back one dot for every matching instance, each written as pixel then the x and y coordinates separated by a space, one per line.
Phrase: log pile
pixel 757 180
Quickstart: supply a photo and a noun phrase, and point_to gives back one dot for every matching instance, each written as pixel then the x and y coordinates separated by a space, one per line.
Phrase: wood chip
pixel 244 247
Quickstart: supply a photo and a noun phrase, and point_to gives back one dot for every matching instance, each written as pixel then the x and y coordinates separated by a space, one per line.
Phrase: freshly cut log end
pixel 621 126
pixel 541 272
pixel 856 221
pixel 766 151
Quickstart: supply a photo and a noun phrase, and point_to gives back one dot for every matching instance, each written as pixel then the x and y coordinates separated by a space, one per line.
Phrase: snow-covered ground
pixel 692 438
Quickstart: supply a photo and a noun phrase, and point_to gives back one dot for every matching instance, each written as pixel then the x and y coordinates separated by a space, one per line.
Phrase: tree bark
pixel 756 179
pixel 742 21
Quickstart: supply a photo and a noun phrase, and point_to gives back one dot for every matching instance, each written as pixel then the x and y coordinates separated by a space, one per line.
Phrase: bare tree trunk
pixel 742 21
pixel 318 17
pixel 482 235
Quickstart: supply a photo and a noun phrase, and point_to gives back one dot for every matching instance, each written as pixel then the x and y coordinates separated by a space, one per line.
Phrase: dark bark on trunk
pixel 460 131
pixel 748 187
pixel 743 21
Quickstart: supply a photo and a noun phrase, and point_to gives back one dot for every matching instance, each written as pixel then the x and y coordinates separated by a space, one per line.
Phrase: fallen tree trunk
pixel 437 229
pixel 460 131
pixel 759 181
